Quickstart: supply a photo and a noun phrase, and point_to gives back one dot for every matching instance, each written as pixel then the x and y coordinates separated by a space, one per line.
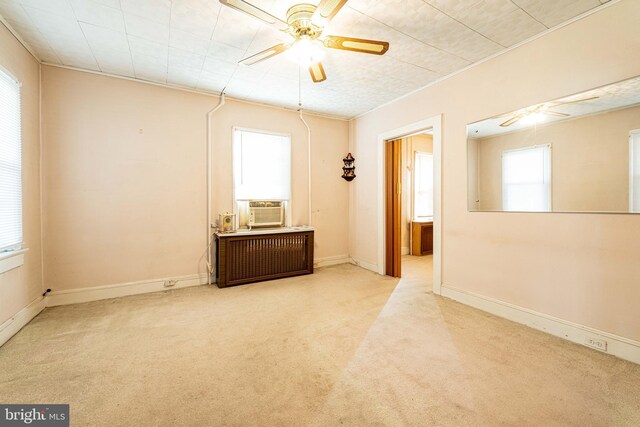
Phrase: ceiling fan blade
pixel 326 10
pixel 256 12
pixel 573 102
pixel 511 121
pixel 317 72
pixel 555 113
pixel 374 47
pixel 265 54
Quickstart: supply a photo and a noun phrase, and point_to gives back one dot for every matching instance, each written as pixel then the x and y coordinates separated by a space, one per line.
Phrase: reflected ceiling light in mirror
pixel 617 95
pixel 532 118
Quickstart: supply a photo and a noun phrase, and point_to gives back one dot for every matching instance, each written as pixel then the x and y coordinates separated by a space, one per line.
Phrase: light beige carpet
pixel 341 347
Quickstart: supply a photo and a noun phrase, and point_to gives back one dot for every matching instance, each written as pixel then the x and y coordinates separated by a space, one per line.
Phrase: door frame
pixel 435 124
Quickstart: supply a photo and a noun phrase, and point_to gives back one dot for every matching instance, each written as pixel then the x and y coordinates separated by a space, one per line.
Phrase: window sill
pixel 12 259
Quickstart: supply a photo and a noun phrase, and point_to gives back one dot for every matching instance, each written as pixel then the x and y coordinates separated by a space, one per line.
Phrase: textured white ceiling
pixel 196 43
pixel 615 96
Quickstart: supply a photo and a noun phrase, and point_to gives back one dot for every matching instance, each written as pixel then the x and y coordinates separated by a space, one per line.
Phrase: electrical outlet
pixel 170 283
pixel 596 343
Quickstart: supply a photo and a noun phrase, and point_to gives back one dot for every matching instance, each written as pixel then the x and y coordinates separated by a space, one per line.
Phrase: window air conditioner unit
pixel 266 213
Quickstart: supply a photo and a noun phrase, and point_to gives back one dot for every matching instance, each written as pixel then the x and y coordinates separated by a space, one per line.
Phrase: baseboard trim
pixel 364 264
pixel 12 325
pixel 331 260
pixel 404 250
pixel 621 347
pixel 76 296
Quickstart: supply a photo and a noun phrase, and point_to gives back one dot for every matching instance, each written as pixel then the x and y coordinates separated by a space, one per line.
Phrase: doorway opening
pixel 409 201
pixel 409 204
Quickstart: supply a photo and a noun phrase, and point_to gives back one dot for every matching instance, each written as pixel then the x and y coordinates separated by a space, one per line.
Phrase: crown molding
pixel 19 38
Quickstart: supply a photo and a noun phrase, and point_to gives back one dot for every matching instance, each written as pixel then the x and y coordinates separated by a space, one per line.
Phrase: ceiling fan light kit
pixel 305 23
pixel 307 52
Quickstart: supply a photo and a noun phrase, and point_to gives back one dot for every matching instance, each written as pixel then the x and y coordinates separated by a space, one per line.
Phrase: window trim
pixel 289 203
pixel 550 146
pixel 18 248
pixel 11 259
pixel 11 76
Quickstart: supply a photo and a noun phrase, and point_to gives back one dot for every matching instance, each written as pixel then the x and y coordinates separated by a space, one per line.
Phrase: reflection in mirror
pixel 576 154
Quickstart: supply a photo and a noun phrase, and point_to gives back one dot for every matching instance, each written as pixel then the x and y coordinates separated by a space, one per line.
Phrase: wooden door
pixel 393 191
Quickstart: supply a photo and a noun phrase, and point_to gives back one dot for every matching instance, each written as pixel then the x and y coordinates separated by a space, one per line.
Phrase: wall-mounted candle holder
pixel 349 170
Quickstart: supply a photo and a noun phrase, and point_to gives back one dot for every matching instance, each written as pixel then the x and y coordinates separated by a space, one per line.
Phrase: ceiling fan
pixel 306 23
pixel 535 114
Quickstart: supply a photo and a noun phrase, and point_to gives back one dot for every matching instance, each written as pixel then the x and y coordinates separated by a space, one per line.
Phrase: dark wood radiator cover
pixel 245 259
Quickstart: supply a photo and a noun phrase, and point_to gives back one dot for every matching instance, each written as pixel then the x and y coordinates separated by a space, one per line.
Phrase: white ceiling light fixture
pixel 307 52
pixel 306 24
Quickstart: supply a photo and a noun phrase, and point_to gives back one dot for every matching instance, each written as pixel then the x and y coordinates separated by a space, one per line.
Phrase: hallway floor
pixel 341 347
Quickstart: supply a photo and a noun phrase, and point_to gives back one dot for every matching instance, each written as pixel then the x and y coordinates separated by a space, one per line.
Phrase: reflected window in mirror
pixel 526 179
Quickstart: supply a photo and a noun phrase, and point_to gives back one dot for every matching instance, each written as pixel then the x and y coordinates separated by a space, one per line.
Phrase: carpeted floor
pixel 341 347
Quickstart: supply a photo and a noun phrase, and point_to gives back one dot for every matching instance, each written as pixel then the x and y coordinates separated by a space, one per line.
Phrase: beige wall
pixel 589 161
pixel 22 285
pixel 578 267
pixel 124 168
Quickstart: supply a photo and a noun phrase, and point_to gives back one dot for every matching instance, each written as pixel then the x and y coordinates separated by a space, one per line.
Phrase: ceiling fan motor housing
pixel 299 19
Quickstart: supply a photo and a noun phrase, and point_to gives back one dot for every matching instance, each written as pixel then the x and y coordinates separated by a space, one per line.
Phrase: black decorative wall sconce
pixel 348 168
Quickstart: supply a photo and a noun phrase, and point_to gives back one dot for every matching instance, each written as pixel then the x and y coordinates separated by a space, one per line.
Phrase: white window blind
pixel 10 165
pixel 261 166
pixel 634 171
pixel 526 179
pixel 423 186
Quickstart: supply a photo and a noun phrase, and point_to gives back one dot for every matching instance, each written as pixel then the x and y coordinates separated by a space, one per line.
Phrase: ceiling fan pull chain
pixel 299 87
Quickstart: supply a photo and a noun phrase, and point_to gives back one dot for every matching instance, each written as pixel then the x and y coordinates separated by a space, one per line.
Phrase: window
pixel 634 171
pixel 10 165
pixel 526 179
pixel 261 167
pixel 423 186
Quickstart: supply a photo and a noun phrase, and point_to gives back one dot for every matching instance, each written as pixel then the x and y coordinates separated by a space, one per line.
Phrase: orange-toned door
pixel 393 191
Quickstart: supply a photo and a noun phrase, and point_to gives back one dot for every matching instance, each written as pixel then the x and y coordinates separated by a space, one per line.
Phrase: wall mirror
pixel 580 153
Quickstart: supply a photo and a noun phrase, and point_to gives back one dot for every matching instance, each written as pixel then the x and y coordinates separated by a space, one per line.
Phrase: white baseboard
pixel 75 296
pixel 404 250
pixel 12 325
pixel 364 264
pixel 331 260
pixel 621 347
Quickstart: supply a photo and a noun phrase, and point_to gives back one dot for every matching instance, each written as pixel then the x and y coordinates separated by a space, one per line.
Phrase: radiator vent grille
pixel 245 260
